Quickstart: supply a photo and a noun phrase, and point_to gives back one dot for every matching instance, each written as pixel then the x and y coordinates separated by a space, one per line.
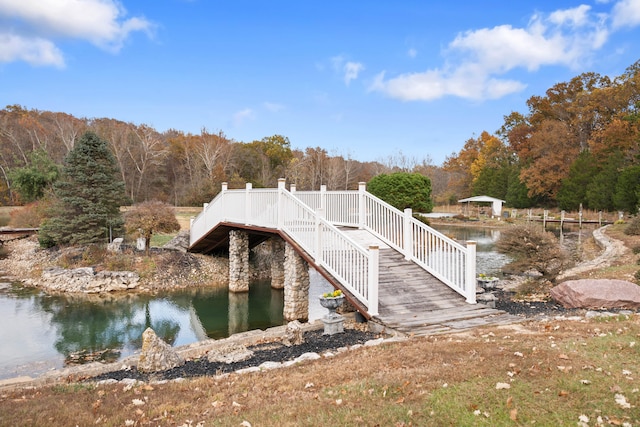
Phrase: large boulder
pixel 597 293
pixel 157 355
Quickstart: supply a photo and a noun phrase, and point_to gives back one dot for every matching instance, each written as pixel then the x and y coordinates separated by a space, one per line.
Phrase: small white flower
pixel 477 412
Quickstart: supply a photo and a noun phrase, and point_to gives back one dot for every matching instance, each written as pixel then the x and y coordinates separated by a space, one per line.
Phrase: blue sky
pixel 365 79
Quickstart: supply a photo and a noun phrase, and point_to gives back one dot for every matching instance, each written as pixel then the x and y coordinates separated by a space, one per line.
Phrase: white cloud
pixel 42 22
pixel 34 51
pixel 576 17
pixel 351 71
pixel 242 116
pixel 626 13
pixel 477 60
pixel 348 69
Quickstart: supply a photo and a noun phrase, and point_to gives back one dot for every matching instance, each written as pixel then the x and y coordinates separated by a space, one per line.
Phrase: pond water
pixel 488 260
pixel 42 332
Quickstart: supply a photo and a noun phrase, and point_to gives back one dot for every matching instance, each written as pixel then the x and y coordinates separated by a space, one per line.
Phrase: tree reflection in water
pixel 107 327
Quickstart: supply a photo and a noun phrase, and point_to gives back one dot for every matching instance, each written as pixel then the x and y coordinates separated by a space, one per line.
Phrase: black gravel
pixel 532 309
pixel 314 341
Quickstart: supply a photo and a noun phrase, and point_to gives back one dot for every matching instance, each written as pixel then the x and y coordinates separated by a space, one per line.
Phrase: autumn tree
pixel 551 157
pixel 148 218
pixel 88 197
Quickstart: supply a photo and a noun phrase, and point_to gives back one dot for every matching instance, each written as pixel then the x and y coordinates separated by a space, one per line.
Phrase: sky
pixel 369 80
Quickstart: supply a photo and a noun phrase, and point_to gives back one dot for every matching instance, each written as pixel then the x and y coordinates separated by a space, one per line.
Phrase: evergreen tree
pixel 517 192
pixel 574 188
pixel 492 182
pixel 403 190
pixel 603 186
pixel 89 196
pixel 627 190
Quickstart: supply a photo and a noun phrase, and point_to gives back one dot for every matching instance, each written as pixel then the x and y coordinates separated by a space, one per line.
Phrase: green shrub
pixel 403 190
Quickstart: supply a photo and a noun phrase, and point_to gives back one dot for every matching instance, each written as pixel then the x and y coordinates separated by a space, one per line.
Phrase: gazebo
pixel 496 204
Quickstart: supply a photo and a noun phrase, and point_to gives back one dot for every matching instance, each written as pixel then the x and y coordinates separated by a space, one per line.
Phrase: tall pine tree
pixel 89 196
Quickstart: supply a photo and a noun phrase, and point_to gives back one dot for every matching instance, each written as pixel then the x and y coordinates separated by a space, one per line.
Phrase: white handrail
pixel 446 259
pixel 310 219
pixel 348 262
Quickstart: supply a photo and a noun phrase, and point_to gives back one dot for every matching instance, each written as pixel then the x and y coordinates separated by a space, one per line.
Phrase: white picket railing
pixel 310 219
pixel 355 267
pixel 449 261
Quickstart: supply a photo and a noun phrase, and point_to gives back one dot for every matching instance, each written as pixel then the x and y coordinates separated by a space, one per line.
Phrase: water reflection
pixel 52 330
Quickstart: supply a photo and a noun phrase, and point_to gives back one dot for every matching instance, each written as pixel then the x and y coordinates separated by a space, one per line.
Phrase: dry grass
pixel 556 371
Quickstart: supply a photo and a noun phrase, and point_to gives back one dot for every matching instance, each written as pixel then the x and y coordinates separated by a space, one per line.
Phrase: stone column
pixel 296 286
pixel 277 263
pixel 238 261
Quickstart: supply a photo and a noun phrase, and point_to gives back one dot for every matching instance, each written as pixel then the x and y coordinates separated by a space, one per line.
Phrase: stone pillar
pixel 296 286
pixel 238 261
pixel 277 263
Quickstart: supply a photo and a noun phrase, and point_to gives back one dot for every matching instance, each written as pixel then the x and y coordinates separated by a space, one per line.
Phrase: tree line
pixel 179 168
pixel 578 144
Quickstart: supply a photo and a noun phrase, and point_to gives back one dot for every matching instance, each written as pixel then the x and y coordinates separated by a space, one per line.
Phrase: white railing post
pixel 223 192
pixel 362 188
pixel 372 297
pixel 318 231
pixel 247 203
pixel 323 197
pixel 407 245
pixel 280 213
pixel 292 188
pixel 471 272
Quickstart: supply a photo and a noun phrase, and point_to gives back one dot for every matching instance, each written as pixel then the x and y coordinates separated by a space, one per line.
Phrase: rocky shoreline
pixel 36 267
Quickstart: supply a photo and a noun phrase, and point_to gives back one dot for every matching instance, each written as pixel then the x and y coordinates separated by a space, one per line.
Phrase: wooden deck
pixel 414 302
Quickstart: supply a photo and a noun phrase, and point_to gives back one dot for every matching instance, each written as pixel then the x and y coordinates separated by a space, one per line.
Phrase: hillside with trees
pixel 579 143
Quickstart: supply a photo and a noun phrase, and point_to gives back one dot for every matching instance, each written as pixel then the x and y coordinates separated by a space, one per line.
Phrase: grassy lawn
pixel 547 373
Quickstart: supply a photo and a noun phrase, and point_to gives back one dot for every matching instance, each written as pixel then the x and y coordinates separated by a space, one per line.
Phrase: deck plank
pixel 414 302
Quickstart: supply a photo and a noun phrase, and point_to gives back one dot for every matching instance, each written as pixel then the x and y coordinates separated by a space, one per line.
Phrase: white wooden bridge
pixel 392 267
